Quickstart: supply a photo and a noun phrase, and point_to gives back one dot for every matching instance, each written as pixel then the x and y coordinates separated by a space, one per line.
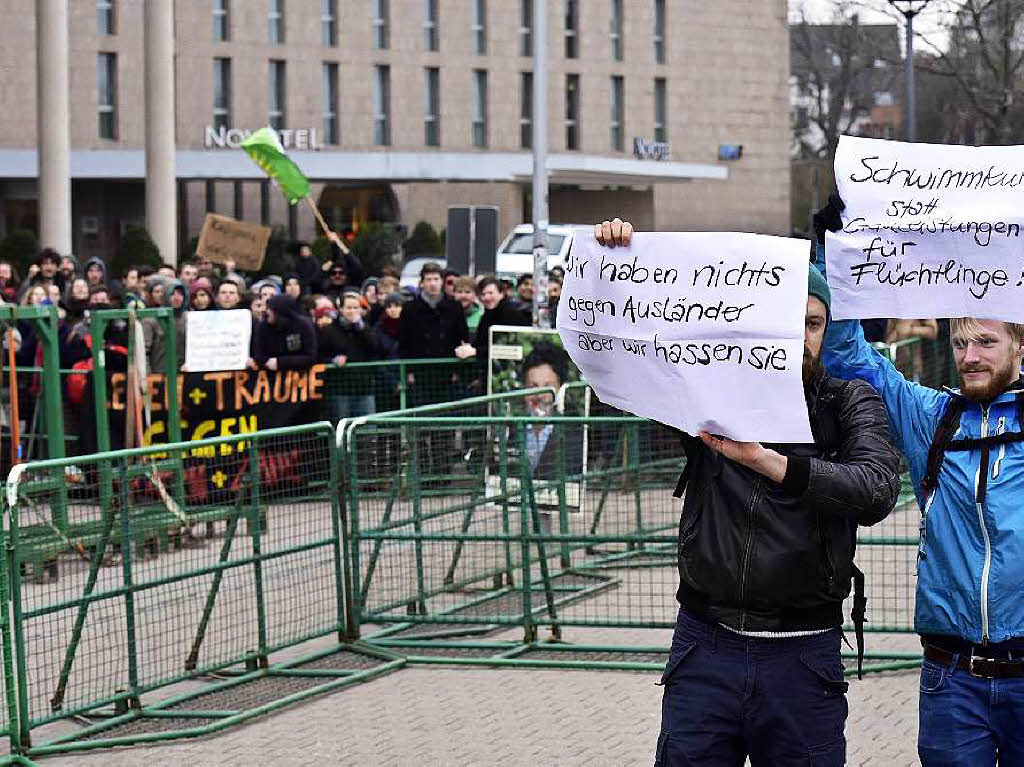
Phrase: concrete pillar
pixel 52 125
pixel 161 197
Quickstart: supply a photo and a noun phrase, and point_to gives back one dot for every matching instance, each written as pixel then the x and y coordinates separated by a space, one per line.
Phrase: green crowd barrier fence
pixel 568 531
pixel 177 589
pixel 163 609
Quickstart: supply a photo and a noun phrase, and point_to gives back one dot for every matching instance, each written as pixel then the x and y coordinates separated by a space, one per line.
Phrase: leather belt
pixel 985 668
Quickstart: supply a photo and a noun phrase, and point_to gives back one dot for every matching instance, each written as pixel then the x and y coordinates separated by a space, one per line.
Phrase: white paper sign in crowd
pixel 928 231
pixel 698 331
pixel 217 340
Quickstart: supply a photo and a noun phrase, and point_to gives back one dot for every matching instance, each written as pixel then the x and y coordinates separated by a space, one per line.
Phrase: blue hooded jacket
pixel 970 567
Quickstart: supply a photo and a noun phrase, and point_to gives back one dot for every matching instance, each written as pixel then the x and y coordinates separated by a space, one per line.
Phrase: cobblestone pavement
pixel 440 716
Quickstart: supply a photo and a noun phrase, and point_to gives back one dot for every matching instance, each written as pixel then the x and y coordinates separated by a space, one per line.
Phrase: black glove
pixel 828 218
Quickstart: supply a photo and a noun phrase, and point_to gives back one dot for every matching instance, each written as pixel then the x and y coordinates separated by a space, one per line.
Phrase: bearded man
pixel 766 544
pixel 966 458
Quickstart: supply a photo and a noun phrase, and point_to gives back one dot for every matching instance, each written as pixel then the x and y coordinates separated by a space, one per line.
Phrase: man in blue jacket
pixel 966 458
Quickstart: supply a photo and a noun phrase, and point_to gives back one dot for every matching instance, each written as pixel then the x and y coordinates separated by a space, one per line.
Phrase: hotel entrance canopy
pixel 563 168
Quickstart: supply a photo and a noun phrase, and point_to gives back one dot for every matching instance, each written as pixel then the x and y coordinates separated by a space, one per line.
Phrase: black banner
pixel 225 404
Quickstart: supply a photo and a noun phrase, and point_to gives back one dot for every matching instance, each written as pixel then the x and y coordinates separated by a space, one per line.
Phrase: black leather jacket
pixel 757 555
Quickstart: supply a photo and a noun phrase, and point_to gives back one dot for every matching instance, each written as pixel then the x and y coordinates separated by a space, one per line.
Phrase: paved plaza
pixel 432 714
pixel 441 716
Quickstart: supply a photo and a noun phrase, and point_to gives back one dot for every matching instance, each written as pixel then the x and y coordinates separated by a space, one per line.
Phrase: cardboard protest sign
pixel 217 340
pixel 698 331
pixel 928 231
pixel 224 239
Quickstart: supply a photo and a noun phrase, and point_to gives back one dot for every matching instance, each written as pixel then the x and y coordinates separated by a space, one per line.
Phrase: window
pixel 221 28
pixel 380 24
pixel 526 110
pixel 382 106
pixel 275 21
pixel 276 112
pixel 330 73
pixel 479 108
pixel 430 25
pixel 659 31
pixel 431 106
pixel 615 30
pixel 618 112
pixel 660 132
pixel 105 17
pixel 107 94
pixel 572 111
pixel 329 23
pixel 525 27
pixel 479 28
pixel 572 25
pixel 221 93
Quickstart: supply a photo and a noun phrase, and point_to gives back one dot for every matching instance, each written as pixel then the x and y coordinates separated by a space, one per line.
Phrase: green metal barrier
pixel 44 417
pixel 546 545
pixel 145 589
pixel 401 384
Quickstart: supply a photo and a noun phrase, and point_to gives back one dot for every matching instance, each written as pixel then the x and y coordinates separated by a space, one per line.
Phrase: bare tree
pixel 837 69
pixel 977 48
pixel 983 55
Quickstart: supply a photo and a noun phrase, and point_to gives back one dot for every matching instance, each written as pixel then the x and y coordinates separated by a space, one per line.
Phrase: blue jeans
pixel 350 406
pixel 965 720
pixel 727 697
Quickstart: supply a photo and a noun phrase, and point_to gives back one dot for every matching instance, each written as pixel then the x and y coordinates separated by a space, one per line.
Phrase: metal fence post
pixel 7 627
pixel 356 599
pixel 348 623
pixel 415 490
pixel 127 550
pixel 256 532
pixel 526 579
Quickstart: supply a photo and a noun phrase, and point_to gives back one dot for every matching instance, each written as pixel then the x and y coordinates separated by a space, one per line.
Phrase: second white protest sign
pixel 696 330
pixel 928 231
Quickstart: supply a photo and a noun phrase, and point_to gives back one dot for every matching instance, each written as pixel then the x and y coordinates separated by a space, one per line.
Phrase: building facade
pixel 671 113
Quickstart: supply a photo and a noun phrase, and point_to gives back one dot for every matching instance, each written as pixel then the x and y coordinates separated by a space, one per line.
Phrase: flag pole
pixel 15 415
pixel 327 229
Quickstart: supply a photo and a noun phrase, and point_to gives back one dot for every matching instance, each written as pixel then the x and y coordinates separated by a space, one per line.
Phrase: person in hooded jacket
pixel 176 297
pixel 200 295
pixel 285 340
pixel 95 271
pixel 389 325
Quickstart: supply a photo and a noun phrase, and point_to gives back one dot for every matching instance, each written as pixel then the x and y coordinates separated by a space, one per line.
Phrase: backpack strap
pixel 949 422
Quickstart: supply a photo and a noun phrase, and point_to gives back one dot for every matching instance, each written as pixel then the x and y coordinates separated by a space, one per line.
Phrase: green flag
pixel 265 149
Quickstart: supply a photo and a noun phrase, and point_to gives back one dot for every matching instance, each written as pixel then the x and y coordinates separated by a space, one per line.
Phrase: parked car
pixel 515 254
pixel 410 277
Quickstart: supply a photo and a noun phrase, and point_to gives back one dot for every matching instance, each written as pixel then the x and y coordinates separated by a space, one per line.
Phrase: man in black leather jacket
pixel 765 556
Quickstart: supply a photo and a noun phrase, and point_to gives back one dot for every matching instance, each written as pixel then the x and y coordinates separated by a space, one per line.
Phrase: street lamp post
pixel 909 9
pixel 541 310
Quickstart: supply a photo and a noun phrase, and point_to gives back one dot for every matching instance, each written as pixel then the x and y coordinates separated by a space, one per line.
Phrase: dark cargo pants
pixel 779 701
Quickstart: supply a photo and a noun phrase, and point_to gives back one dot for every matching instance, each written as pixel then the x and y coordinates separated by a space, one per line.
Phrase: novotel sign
pixel 229 138
pixel 651 150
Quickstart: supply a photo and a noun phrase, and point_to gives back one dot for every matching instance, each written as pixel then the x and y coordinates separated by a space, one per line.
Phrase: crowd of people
pixel 332 312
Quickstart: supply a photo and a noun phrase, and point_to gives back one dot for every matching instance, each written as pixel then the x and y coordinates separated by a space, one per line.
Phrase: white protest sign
pixel 217 340
pixel 928 231
pixel 698 331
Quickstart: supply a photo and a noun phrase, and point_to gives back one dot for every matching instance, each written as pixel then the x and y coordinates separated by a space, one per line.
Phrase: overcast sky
pixel 821 11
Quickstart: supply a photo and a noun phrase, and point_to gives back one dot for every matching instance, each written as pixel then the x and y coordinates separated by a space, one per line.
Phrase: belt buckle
pixel 970 667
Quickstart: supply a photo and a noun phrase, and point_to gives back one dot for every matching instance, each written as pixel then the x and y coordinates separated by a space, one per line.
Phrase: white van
pixel 515 254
